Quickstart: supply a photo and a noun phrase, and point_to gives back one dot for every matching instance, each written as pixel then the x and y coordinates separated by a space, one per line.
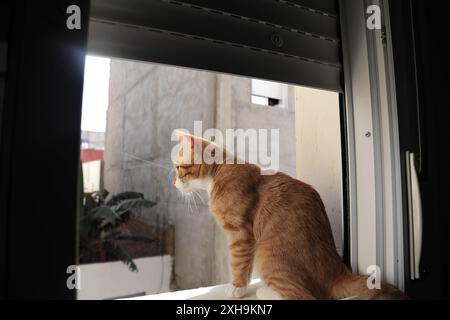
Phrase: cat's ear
pixel 179 134
pixel 186 139
pixel 190 140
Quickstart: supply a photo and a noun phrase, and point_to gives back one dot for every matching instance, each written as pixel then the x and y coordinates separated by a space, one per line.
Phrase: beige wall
pixel 235 110
pixel 318 148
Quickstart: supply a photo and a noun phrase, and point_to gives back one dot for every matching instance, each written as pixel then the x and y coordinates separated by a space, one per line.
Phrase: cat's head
pixel 192 166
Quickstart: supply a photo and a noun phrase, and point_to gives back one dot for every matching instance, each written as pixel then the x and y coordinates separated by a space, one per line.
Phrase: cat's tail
pixel 356 286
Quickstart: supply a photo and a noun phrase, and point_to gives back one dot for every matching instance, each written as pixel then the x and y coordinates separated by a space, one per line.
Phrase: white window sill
pixel 206 293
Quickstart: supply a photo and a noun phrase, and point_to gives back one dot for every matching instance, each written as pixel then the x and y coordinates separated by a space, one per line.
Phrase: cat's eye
pixel 184 166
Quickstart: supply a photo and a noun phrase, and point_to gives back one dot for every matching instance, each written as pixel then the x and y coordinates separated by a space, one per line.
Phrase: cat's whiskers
pixel 198 194
pixel 195 202
pixel 190 199
pixel 188 202
pixel 147 162
pixel 170 176
pixel 187 197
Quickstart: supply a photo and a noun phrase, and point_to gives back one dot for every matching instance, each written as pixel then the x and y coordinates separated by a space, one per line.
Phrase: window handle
pixel 414 216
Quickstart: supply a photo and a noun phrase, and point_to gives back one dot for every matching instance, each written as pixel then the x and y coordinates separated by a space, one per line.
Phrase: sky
pixel 95 94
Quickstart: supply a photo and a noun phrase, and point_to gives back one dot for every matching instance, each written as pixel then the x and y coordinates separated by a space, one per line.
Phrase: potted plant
pixel 100 221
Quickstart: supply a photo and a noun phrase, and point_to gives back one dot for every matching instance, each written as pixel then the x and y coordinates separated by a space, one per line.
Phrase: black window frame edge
pixel 45 76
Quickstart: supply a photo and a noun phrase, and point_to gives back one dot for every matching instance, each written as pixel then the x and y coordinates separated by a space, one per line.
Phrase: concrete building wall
pixel 235 110
pixel 147 102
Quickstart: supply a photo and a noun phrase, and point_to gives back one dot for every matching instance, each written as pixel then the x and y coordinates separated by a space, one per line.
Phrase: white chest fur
pixel 203 184
pixel 196 184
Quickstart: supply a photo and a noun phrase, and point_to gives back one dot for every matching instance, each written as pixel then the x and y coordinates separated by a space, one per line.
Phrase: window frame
pixel 374 160
pixel 39 150
pixel 358 96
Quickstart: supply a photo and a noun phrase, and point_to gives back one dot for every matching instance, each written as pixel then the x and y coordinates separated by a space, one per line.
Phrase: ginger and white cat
pixel 274 223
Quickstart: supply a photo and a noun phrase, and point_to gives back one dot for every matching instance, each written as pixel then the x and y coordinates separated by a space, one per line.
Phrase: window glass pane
pixel 169 240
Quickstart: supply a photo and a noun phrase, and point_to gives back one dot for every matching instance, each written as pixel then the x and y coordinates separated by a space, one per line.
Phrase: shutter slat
pixel 120 41
pixel 188 21
pixel 326 6
pixel 275 12
pixel 259 38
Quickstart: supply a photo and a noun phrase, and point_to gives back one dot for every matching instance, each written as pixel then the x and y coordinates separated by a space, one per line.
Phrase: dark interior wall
pixel 39 148
pixel 4 33
pixel 422 78
pixel 4 28
pixel 431 18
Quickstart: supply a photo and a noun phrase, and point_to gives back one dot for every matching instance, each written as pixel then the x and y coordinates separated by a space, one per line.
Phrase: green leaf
pixel 119 253
pixel 115 200
pixel 98 225
pixel 105 213
pixel 87 228
pixel 125 205
pixel 89 204
pixel 101 195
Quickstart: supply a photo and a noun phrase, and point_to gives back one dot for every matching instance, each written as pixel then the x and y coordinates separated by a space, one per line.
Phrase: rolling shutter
pixel 295 41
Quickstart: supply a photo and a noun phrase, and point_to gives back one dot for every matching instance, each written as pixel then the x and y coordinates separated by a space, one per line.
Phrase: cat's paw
pixel 235 292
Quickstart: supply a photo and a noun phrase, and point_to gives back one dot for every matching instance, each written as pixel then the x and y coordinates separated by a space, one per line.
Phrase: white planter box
pixel 112 280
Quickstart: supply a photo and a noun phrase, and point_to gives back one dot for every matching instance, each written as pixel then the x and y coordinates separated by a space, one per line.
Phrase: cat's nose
pixel 174 181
